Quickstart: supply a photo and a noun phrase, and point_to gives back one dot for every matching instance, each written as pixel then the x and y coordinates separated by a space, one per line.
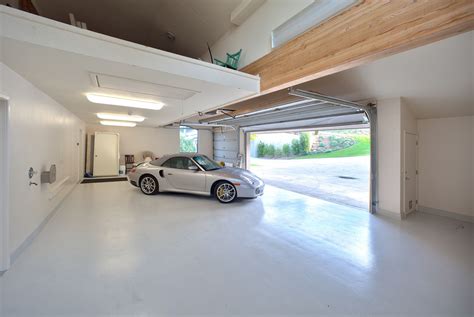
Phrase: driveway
pixel 340 180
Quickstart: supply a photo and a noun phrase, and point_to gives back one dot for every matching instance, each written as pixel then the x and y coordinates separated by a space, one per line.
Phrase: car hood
pixel 234 172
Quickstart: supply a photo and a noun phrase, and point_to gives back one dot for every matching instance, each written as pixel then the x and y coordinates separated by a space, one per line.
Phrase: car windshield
pixel 206 163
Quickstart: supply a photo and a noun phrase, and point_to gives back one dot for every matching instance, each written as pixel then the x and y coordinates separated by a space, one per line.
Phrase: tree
pixel 304 143
pixel 187 145
pixel 278 152
pixel 286 150
pixel 261 149
pixel 188 140
pixel 295 147
pixel 270 150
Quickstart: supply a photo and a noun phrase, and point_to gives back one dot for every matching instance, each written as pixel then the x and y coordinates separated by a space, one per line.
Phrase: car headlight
pixel 248 180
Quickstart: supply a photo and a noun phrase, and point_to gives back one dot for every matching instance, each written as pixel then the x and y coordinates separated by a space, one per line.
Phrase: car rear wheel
pixel 149 185
pixel 225 192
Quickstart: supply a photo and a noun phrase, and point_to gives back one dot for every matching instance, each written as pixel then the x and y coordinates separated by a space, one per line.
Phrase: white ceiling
pixel 62 61
pixel 194 22
pixel 436 80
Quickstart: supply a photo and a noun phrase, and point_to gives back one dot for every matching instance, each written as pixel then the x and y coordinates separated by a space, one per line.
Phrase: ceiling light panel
pixel 124 102
pixel 118 123
pixel 120 117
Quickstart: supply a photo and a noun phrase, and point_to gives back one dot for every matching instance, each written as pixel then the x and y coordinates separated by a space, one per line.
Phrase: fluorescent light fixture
pixel 118 123
pixel 309 17
pixel 124 102
pixel 120 117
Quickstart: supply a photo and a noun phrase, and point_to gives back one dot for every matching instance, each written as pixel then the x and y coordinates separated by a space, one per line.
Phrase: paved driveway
pixel 340 180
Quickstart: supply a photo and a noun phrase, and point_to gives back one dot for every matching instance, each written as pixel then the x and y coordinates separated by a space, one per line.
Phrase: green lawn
pixel 361 147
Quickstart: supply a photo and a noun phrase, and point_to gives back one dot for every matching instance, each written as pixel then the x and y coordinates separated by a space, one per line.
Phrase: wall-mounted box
pixel 49 177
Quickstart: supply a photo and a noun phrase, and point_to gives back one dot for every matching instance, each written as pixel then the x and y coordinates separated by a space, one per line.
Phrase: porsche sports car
pixel 196 174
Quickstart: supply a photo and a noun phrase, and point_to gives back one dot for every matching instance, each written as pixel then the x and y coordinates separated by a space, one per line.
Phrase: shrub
pixel 286 150
pixel 270 150
pixel 261 147
pixel 278 152
pixel 304 143
pixel 295 147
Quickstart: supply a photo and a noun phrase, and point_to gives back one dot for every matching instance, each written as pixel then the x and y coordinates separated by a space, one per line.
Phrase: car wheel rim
pixel 148 185
pixel 226 192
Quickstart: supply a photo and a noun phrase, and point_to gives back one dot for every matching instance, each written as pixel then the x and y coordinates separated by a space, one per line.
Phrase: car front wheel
pixel 149 185
pixel 225 192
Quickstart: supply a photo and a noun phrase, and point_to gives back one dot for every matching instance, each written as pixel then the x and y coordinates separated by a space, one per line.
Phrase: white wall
pixel 394 117
pixel 389 155
pixel 4 184
pixel 254 35
pixel 206 142
pixel 139 139
pixel 42 132
pixel 446 164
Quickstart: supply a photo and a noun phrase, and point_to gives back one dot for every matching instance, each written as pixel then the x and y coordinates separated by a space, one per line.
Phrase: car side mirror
pixel 192 168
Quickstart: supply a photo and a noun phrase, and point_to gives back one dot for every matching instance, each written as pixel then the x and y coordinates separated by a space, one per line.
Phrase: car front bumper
pixel 248 191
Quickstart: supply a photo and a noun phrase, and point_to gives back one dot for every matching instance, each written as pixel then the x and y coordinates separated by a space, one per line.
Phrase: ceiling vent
pixel 140 87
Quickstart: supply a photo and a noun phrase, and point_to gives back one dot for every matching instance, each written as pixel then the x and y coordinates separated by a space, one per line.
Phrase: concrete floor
pixel 320 178
pixel 110 250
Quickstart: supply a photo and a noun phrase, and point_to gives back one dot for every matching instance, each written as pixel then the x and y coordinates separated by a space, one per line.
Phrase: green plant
pixel 286 149
pixel 360 147
pixel 295 147
pixel 261 147
pixel 187 145
pixel 278 152
pixel 270 150
pixel 304 143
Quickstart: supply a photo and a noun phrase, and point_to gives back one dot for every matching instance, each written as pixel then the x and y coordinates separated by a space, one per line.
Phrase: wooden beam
pixel 366 32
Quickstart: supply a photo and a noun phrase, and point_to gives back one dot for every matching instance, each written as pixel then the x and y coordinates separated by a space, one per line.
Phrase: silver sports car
pixel 196 174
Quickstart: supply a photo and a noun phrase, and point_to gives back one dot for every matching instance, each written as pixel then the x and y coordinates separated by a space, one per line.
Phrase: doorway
pixel 331 164
pixel 106 154
pixel 410 174
pixel 4 186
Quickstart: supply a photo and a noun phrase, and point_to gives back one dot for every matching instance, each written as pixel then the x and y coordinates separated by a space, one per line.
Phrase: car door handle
pixel 170 174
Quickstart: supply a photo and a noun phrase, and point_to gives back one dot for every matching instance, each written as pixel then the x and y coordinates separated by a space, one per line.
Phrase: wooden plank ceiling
pixel 368 31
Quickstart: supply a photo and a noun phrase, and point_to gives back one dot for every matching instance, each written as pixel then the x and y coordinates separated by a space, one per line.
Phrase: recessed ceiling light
pixel 118 123
pixel 124 102
pixel 120 117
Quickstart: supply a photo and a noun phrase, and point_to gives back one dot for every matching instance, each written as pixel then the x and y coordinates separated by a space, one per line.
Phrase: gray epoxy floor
pixel 109 250
pixel 342 180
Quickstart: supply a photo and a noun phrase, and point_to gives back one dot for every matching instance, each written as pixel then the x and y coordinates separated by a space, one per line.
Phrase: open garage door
pixel 313 112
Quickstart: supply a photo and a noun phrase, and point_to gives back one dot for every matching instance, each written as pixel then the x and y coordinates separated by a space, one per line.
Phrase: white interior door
pixel 4 188
pixel 106 154
pixel 410 173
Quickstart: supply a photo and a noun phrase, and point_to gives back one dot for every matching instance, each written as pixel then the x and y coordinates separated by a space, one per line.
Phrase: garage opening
pixel 319 146
pixel 329 164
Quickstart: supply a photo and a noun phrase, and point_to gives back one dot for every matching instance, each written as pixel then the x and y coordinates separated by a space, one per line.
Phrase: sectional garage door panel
pixel 226 146
pixel 338 121
pixel 226 156
pixel 226 135
pixel 304 113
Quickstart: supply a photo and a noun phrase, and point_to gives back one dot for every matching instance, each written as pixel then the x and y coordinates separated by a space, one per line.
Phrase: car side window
pixel 182 163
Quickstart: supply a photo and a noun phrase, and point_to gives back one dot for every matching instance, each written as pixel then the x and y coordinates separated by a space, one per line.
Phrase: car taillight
pixel 133 170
